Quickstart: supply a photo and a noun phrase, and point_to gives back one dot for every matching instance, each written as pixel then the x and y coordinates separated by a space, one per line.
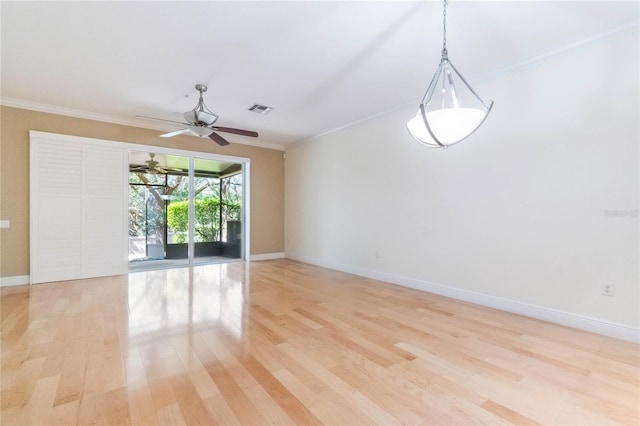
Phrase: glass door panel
pixel 217 210
pixel 158 210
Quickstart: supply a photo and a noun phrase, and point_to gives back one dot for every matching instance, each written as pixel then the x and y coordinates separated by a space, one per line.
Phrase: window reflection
pixel 182 300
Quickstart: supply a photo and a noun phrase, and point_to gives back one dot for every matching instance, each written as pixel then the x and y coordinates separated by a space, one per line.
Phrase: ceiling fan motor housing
pixel 200 115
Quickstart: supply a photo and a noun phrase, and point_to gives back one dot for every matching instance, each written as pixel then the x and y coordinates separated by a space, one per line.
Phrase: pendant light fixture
pixel 451 110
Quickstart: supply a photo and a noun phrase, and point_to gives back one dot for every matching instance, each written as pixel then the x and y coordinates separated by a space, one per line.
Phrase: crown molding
pixel 133 122
pixel 555 54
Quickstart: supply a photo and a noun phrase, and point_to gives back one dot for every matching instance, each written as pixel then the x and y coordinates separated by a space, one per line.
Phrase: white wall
pixel 518 216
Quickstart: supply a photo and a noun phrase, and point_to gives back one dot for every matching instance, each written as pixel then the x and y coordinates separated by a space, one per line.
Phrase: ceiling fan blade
pixel 235 131
pixel 162 119
pixel 218 139
pixel 139 169
pixel 176 133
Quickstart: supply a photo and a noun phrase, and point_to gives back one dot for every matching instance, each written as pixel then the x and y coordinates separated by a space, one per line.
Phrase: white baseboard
pixel 16 280
pixel 267 256
pixel 618 331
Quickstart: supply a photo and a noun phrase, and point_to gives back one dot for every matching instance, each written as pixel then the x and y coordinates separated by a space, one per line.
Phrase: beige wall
pixel 267 178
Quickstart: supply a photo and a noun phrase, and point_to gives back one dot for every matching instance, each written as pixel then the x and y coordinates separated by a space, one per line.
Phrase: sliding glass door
pixel 184 210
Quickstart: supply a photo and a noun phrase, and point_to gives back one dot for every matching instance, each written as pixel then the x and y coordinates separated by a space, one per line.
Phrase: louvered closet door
pixel 78 208
pixel 56 211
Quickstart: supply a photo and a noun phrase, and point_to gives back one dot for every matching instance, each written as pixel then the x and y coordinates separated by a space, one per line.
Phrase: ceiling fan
pixel 200 120
pixel 152 167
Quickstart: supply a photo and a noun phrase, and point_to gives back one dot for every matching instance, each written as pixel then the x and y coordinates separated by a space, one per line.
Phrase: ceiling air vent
pixel 260 109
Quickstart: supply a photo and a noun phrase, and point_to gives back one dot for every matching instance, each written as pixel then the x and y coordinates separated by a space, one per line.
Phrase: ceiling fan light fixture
pixel 450 110
pixel 201 117
pixel 199 122
pixel 200 131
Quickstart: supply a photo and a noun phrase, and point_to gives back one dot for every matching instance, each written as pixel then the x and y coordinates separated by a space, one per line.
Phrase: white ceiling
pixel 320 65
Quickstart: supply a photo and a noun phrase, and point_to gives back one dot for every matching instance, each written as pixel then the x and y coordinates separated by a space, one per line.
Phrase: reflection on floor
pixel 146 265
pixel 284 343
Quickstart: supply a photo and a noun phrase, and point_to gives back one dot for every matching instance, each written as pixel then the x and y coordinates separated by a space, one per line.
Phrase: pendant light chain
pixel 445 54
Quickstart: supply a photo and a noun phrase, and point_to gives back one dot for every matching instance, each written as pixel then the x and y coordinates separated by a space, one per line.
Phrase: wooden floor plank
pixel 283 342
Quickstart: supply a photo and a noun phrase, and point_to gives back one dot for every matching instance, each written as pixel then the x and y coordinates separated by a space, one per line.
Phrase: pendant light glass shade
pixel 451 110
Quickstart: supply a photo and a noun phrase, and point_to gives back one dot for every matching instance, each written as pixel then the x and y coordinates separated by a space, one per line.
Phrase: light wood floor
pixel 280 342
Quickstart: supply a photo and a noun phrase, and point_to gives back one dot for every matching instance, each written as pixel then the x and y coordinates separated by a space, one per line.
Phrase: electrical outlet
pixel 607 289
